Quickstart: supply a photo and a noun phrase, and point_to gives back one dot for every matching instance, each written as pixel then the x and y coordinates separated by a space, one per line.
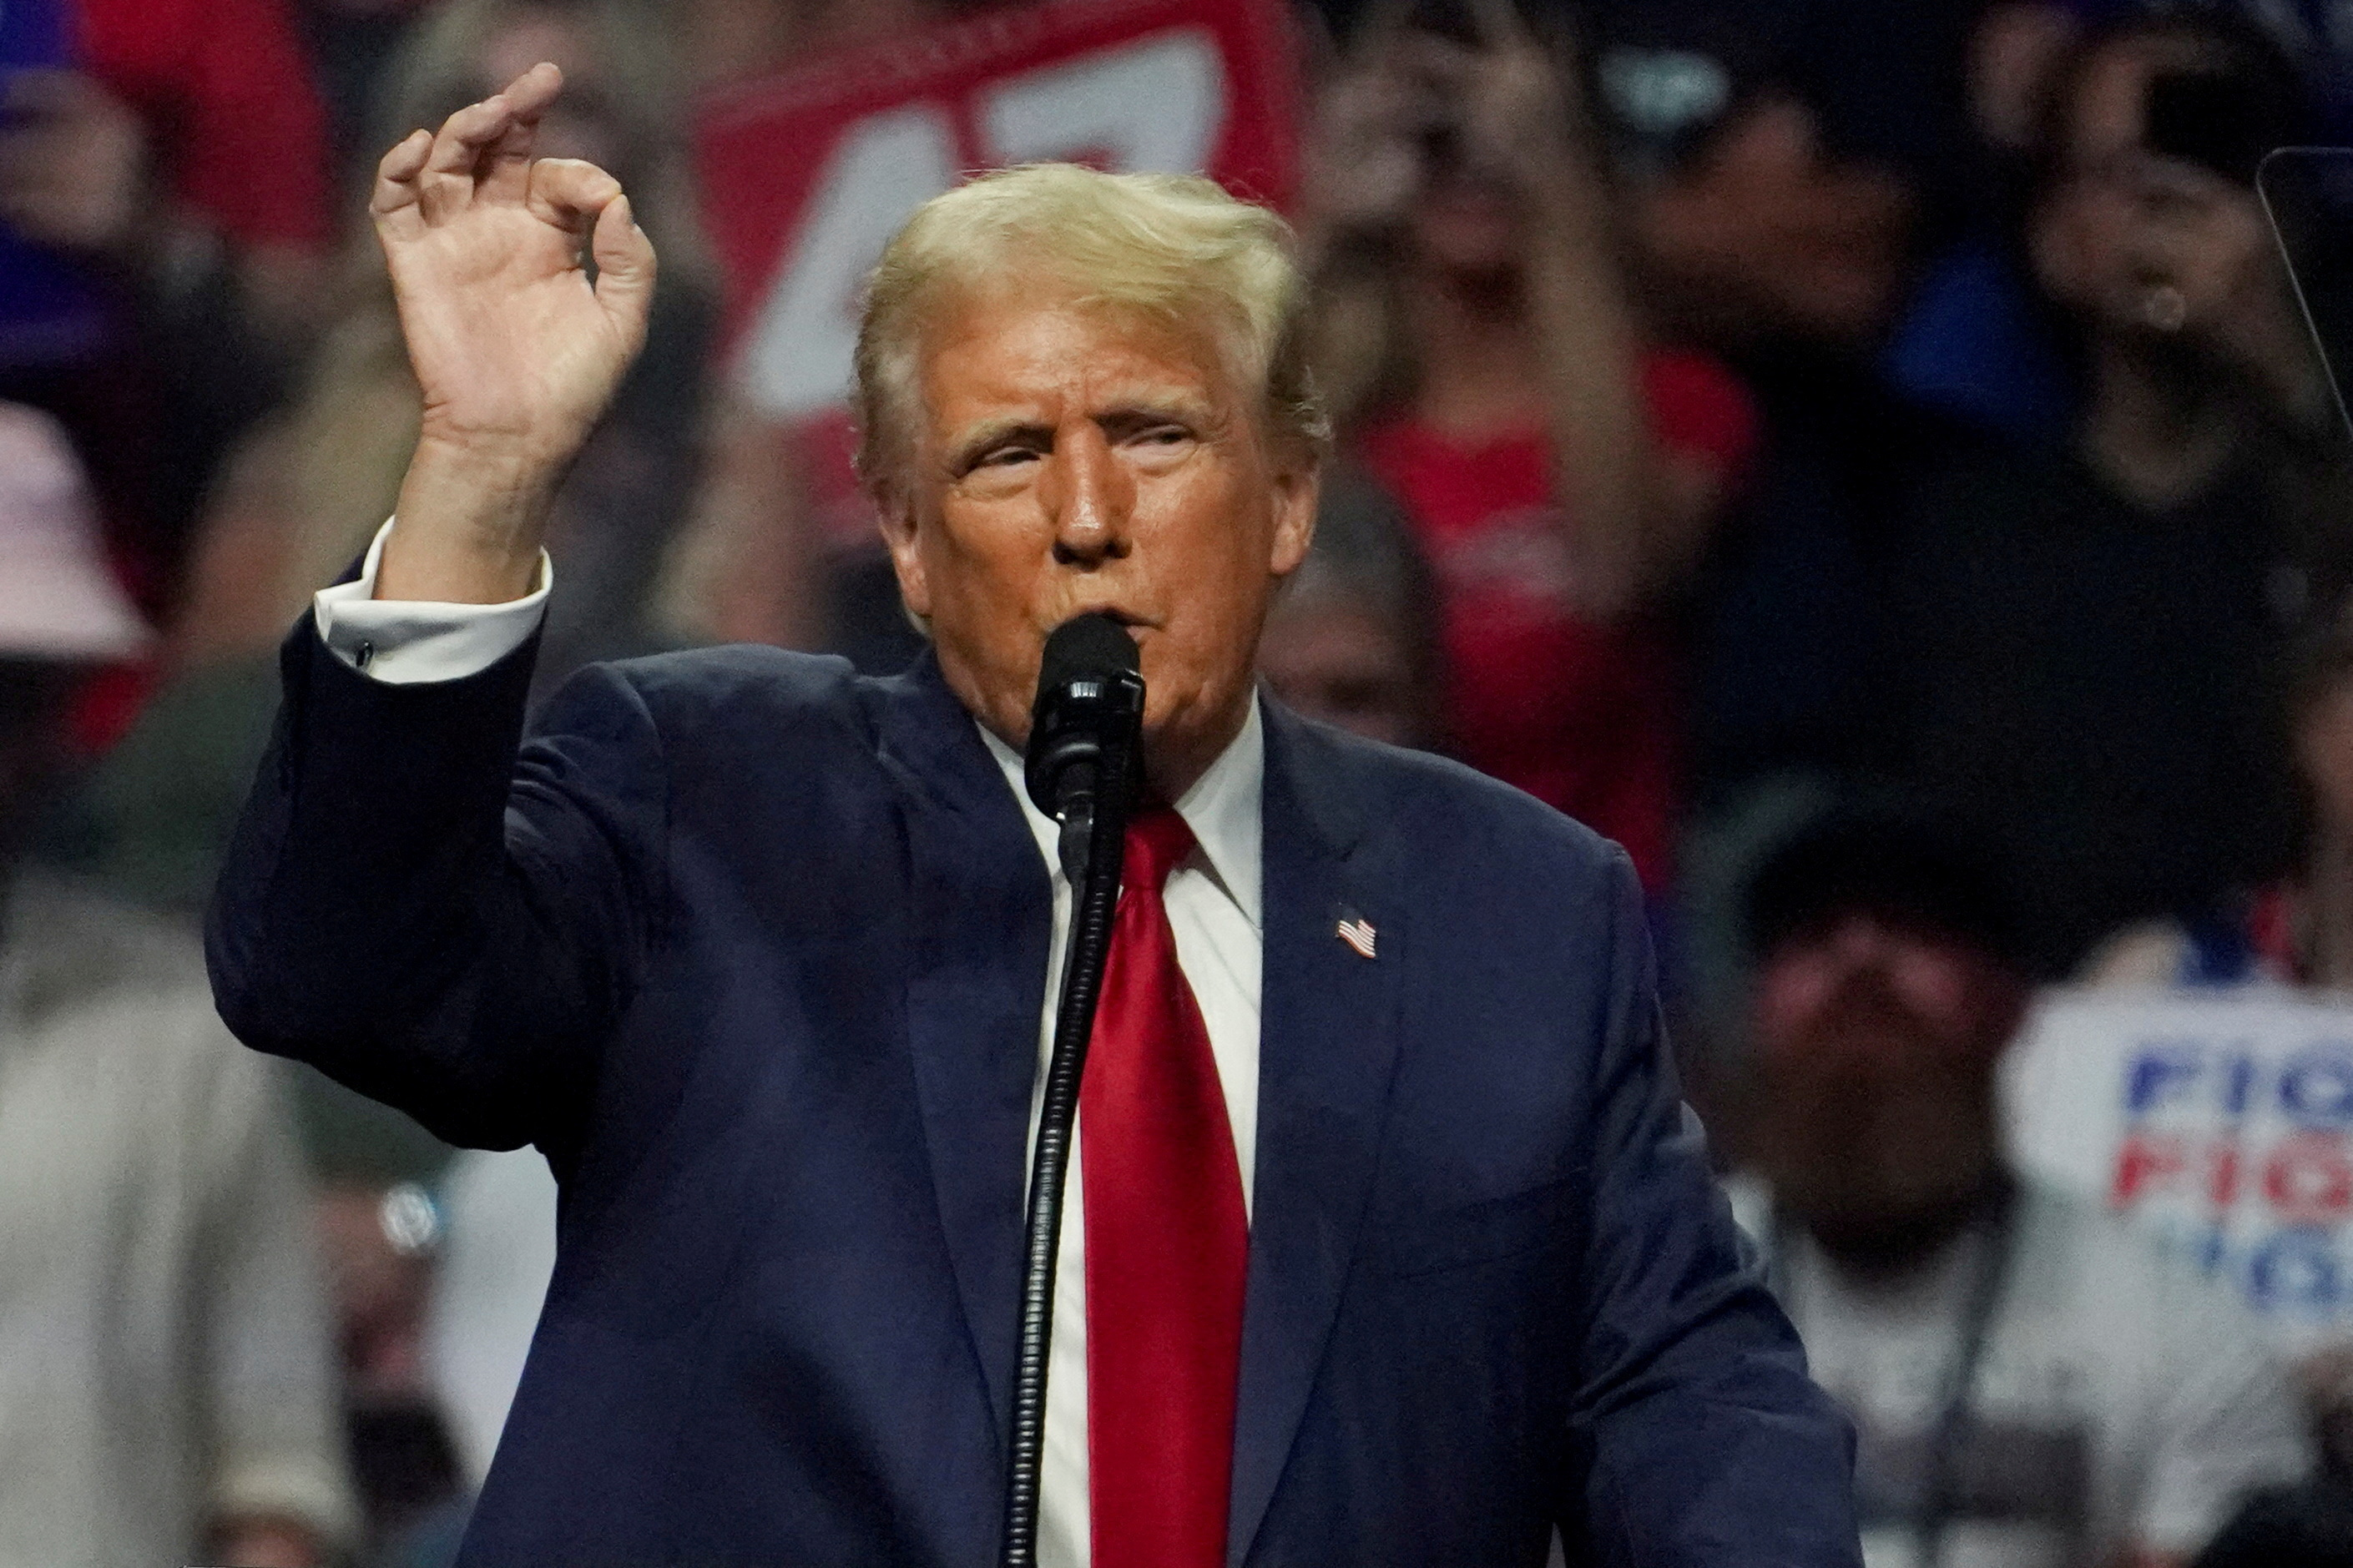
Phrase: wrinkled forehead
pixel 1003 342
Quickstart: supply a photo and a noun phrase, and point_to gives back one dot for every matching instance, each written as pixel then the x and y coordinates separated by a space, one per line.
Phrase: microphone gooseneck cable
pixel 1079 769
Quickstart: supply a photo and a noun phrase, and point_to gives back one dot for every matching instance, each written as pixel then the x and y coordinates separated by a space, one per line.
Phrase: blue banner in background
pixel 34 33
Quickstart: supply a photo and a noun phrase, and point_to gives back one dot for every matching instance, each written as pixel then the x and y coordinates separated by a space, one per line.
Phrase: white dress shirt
pixel 1213 903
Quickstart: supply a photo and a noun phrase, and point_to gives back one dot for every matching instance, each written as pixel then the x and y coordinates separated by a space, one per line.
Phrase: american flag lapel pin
pixel 1355 930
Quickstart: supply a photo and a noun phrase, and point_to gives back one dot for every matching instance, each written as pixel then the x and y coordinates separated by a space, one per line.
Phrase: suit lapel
pixel 981 922
pixel 1326 1046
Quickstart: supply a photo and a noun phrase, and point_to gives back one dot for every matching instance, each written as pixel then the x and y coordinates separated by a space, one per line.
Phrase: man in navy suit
pixel 1391 1242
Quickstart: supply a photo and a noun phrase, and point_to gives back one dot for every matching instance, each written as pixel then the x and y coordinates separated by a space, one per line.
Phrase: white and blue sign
pixel 2221 1122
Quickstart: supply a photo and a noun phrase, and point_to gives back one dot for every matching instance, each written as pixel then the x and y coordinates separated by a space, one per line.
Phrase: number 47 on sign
pixel 805 176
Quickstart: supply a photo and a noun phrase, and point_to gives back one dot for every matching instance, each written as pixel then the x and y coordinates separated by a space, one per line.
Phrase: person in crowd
pixel 302 497
pixel 163 219
pixel 2032 1382
pixel 166 1390
pixel 492 1279
pixel 1352 639
pixel 2295 930
pixel 1776 162
pixel 2090 640
pixel 1486 364
pixel 489 1280
pixel 2311 1525
pixel 381 1241
pixel 142 131
pixel 1977 339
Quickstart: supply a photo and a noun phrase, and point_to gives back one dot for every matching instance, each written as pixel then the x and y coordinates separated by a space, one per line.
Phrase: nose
pixel 1861 942
pixel 1093 496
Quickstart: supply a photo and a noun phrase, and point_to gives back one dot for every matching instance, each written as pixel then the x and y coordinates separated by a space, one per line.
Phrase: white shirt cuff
pixel 405 641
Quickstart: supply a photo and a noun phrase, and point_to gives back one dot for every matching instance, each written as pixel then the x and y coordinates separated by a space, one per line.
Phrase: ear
pixel 895 513
pixel 1298 483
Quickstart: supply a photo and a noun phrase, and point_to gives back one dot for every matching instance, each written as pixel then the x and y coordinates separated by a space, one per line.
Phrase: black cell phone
pixel 2308 194
pixel 2218 121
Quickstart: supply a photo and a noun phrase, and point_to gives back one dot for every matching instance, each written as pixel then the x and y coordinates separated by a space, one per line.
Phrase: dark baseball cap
pixel 1887 856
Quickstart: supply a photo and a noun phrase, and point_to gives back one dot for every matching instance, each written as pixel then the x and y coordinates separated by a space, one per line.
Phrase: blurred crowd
pixel 1865 457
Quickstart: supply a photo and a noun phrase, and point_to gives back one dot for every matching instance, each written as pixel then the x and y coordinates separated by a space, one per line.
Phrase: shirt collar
pixel 1224 808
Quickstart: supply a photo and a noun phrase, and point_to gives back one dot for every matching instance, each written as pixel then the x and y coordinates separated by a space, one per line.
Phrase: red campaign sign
pixel 806 175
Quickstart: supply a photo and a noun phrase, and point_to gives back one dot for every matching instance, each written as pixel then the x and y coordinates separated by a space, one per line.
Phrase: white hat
pixel 57 600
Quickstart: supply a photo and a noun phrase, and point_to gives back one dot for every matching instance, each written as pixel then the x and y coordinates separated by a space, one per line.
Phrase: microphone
pixel 1079 768
pixel 1083 726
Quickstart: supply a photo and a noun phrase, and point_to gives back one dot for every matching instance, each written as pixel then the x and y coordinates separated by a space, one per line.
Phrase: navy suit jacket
pixel 755 948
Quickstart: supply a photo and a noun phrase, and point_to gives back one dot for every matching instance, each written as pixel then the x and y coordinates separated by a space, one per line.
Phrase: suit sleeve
pixel 1696 1436
pixel 433 911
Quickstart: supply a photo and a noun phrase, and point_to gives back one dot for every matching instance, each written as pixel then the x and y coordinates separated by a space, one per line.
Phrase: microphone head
pixel 1088 708
pixel 1091 647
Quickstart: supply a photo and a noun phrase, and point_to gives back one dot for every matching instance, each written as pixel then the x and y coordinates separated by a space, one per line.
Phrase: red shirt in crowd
pixel 229 102
pixel 1580 715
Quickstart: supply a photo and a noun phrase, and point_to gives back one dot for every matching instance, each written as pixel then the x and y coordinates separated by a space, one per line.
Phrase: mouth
pixel 1127 619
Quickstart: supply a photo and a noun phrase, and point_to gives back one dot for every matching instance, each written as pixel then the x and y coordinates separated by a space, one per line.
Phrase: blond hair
pixel 1174 247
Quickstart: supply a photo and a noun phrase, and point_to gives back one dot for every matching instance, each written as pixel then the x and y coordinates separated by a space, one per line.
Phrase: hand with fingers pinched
pixel 517 350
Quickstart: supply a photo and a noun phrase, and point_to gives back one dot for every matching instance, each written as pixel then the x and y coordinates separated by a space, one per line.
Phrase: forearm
pixel 472 517
pixel 1605 460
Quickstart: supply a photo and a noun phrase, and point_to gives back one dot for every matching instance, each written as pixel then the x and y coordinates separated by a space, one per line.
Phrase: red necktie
pixel 1168 1241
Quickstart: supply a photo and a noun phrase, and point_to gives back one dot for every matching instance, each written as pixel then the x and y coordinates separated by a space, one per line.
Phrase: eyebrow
pixel 1159 407
pixel 1138 411
pixel 977 439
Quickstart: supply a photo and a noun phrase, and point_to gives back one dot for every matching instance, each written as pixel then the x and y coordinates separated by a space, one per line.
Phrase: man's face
pixel 1766 233
pixel 1070 459
pixel 2123 226
pixel 1875 1043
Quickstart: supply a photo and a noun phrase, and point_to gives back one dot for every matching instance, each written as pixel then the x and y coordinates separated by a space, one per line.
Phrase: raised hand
pixel 1521 113
pixel 1364 160
pixel 515 350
